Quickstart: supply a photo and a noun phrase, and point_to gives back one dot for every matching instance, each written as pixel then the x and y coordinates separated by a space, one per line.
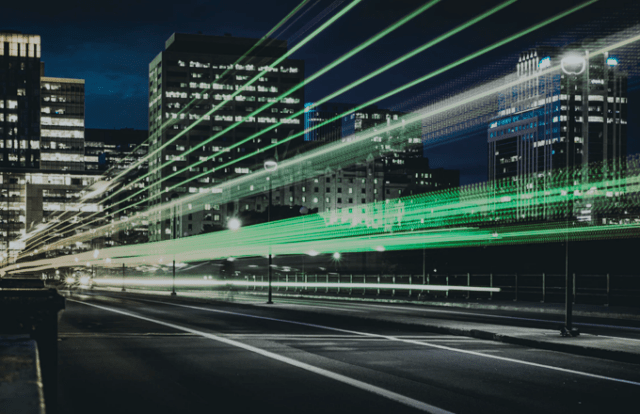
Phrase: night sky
pixel 110 44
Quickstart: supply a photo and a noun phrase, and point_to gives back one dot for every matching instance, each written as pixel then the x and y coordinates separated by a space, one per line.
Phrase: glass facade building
pixel 559 117
pixel 194 74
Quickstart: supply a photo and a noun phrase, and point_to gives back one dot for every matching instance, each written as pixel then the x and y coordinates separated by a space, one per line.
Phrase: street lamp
pixel 270 165
pixel 572 65
pixel 234 224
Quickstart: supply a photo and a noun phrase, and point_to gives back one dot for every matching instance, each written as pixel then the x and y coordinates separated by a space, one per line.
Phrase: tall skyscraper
pixel 203 69
pixel 573 117
pixel 19 101
pixel 42 169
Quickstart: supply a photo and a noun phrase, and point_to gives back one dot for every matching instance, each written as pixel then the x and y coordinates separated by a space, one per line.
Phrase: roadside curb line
pixel 469 305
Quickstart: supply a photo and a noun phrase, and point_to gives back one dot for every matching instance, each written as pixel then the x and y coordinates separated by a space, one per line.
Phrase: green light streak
pixel 167 124
pixel 300 85
pixel 262 39
pixel 249 83
pixel 240 90
pixel 395 91
pixel 329 97
pixel 425 221
pixel 471 99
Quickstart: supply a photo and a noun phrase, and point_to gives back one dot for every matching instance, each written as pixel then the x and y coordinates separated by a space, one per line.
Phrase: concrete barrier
pixel 21 388
pixel 34 313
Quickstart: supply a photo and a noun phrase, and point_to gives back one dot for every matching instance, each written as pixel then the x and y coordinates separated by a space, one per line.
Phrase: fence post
pixel 426 280
pixel 254 282
pixel 338 283
pixel 410 280
pixel 543 287
pixel 364 281
pixel 446 294
pixel 608 291
pixel 468 285
pixel 378 294
pixel 306 283
pixel 262 282
pixel 491 285
pixel 327 289
pixel 574 288
pixel 286 281
pixel 316 291
pixel 351 283
pixel 393 280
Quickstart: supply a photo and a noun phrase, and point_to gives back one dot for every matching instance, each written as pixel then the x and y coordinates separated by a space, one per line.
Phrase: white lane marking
pixel 409 341
pixel 402 399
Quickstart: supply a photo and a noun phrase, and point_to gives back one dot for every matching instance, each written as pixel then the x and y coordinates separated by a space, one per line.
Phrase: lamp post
pixel 270 165
pixel 173 285
pixel 304 211
pixel 123 270
pixel 572 66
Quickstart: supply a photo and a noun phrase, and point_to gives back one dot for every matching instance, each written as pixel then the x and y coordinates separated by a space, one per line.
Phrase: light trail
pixel 424 221
pixel 308 80
pixel 381 97
pixel 172 121
pixel 600 51
pixel 300 85
pixel 328 23
pixel 327 98
pixel 205 283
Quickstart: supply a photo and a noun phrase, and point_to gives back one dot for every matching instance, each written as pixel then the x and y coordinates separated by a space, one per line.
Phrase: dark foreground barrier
pixel 34 312
pixel 20 376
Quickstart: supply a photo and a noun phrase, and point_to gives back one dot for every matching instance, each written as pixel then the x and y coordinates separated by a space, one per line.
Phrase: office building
pixel 117 153
pixel 42 169
pixel 570 110
pixel 62 123
pixel 19 101
pixel 206 70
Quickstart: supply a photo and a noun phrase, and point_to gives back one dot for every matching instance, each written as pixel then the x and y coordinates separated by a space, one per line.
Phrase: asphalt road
pixel 133 355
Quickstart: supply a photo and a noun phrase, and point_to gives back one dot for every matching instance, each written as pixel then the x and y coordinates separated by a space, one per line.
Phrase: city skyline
pixel 114 64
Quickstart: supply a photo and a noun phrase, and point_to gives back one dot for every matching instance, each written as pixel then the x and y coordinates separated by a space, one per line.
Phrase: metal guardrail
pixel 621 290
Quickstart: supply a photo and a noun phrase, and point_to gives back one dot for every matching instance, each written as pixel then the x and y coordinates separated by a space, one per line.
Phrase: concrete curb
pixel 566 347
pixel 558 309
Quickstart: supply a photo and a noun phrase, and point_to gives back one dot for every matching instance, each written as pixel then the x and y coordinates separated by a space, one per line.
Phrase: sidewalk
pixel 617 349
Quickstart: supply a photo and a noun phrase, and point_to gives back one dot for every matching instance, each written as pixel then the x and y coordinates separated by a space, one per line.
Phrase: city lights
pixel 234 224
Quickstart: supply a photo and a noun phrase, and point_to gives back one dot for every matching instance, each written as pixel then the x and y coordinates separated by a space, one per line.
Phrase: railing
pixel 608 289
pixel 602 289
